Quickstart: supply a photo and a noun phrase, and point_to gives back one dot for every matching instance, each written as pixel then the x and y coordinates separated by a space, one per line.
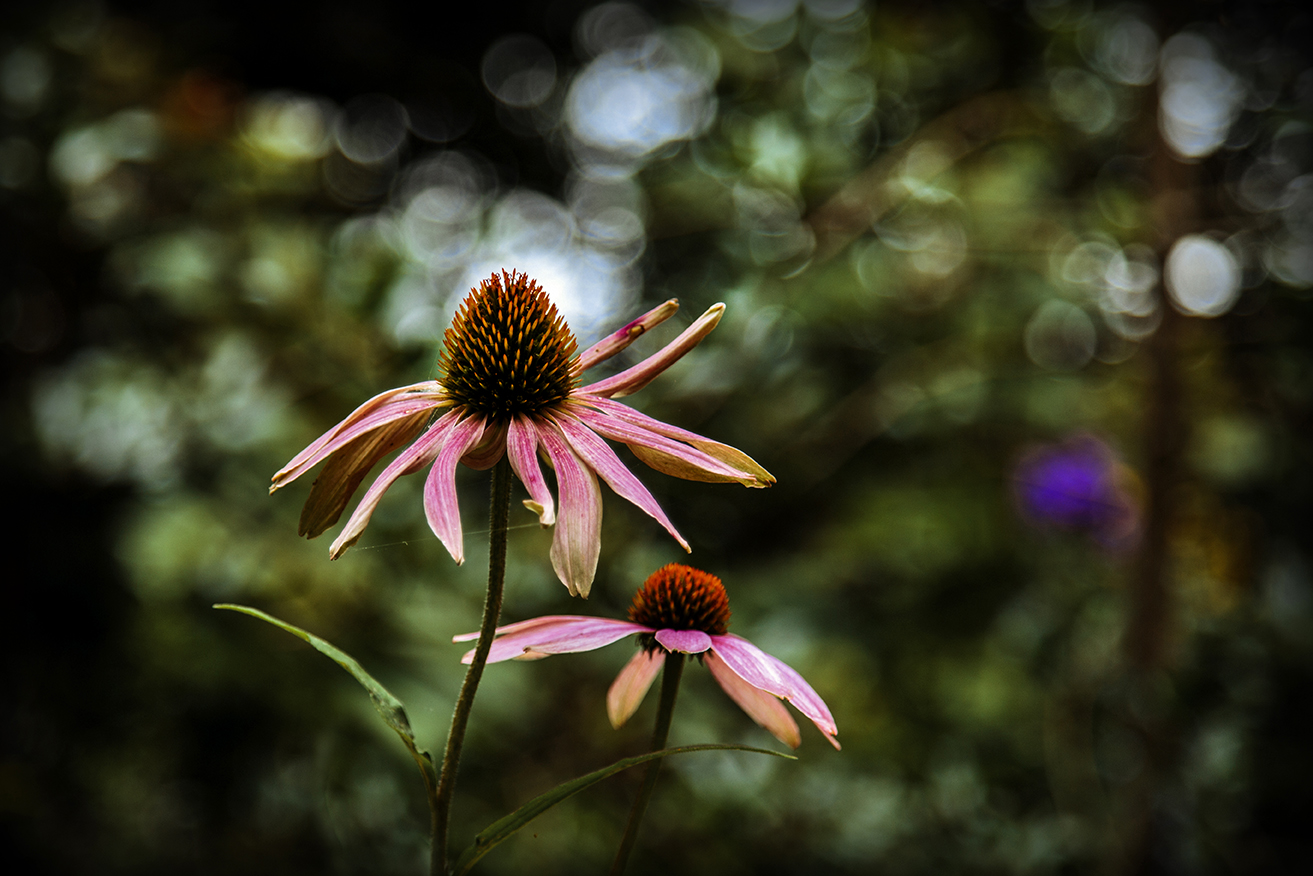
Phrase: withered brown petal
pixel 347 467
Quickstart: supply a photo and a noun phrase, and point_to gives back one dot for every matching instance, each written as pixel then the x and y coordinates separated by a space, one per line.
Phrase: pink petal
pixel 383 408
pixel 602 459
pixel 679 459
pixel 556 634
pixel 347 466
pixel 416 456
pixel 684 641
pixel 762 707
pixel 612 344
pixel 490 449
pixel 631 685
pixel 625 413
pixel 520 626
pixel 578 537
pixel 706 460
pixel 440 505
pixel 633 379
pixel 765 672
pixel 522 450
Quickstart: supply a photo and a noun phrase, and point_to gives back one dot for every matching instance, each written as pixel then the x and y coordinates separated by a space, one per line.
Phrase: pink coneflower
pixel 680 610
pixel 509 387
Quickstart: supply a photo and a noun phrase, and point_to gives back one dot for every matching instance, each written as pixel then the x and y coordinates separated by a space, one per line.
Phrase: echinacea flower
pixel 678 610
pixel 509 387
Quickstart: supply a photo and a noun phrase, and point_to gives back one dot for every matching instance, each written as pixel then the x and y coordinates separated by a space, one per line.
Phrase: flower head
pixel 510 387
pixel 508 354
pixel 681 610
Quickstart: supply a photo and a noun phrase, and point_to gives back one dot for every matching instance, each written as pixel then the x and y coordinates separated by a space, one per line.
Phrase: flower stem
pixel 498 513
pixel 674 668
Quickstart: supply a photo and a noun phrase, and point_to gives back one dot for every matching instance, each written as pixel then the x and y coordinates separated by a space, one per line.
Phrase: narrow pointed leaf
pixel 502 829
pixel 388 706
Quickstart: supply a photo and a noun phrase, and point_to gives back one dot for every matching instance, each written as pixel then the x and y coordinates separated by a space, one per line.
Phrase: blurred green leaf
pixel 388 706
pixel 503 828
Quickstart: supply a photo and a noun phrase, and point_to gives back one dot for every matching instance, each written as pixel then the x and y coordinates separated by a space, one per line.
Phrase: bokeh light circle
pixel 519 70
pixel 1202 276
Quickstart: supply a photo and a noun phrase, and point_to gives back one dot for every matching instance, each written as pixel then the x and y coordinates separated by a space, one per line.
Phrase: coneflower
pixel 510 387
pixel 678 610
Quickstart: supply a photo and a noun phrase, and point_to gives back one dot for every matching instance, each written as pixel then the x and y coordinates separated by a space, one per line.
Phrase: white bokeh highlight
pixel 1202 276
pixel 633 100
pixel 454 229
pixel 1200 98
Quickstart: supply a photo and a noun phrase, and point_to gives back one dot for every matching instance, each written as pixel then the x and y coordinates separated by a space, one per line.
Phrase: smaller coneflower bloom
pixel 678 610
pixel 510 387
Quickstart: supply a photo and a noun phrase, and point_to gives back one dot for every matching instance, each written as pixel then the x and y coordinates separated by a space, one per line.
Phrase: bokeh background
pixel 1018 314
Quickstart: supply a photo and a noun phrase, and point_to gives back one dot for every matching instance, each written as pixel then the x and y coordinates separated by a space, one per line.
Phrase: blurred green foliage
pixel 940 233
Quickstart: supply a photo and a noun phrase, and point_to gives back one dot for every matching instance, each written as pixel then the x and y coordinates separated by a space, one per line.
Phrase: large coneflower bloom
pixel 680 610
pixel 510 387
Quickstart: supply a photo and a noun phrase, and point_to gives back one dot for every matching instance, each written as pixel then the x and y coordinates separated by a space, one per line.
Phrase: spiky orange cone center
pixel 508 351
pixel 677 597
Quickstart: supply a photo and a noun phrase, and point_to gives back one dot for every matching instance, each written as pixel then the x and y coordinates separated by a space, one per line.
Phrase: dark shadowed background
pixel 1018 314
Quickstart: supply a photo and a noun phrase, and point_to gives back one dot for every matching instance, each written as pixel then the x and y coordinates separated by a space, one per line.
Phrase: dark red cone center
pixel 677 597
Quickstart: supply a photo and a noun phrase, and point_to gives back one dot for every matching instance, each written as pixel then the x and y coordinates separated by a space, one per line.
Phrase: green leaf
pixel 388 706
pixel 501 830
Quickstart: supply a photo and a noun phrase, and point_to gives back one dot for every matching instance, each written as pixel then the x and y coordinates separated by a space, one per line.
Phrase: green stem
pixel 669 690
pixel 498 513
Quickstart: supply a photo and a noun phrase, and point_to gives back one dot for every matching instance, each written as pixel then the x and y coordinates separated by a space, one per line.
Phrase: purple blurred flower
pixel 1079 485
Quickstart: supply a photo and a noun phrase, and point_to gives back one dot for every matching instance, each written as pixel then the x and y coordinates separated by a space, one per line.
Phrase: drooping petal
pixel 631 685
pixel 633 379
pixel 762 707
pixel 555 634
pixel 675 466
pixel 440 504
pixel 347 467
pixel 684 641
pixel 489 450
pixel 767 673
pixel 602 459
pixel 521 626
pixel 522 450
pixel 578 537
pixel 395 404
pixel 658 451
pixel 416 456
pixel 731 458
pixel 614 343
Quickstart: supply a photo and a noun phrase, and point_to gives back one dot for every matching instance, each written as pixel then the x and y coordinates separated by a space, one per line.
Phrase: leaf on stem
pixel 388 706
pixel 503 828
